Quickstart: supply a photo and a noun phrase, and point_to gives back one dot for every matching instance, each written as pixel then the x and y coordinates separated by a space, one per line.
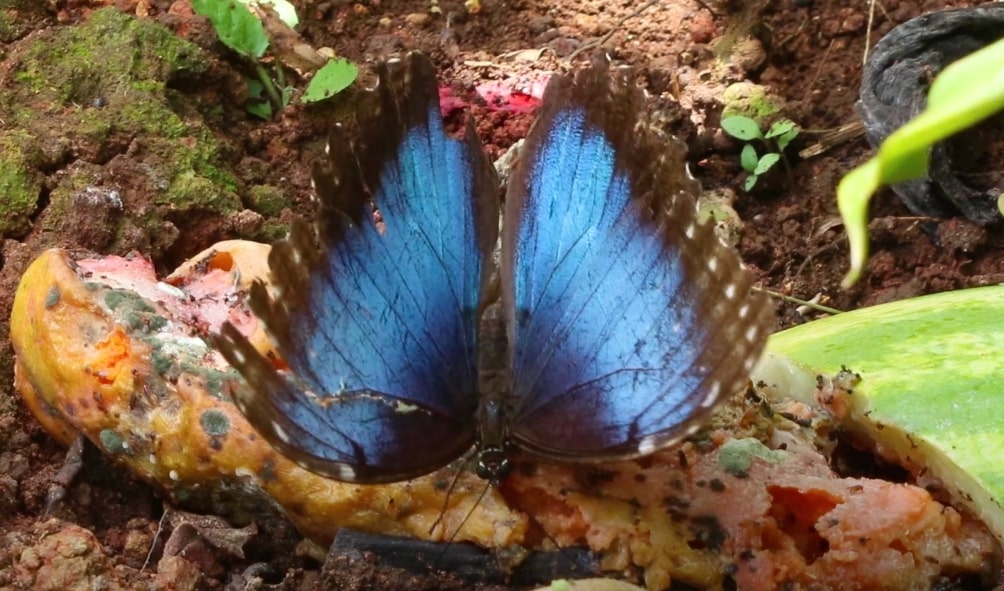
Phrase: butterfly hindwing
pixel 628 319
pixel 375 310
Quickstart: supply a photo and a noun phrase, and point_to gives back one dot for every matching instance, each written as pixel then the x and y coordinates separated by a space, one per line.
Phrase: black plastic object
pixel 468 562
pixel 894 89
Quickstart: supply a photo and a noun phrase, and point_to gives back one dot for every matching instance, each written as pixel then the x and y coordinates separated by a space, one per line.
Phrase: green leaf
pixel 966 92
pixel 258 104
pixel 748 158
pixel 256 90
pixel 930 389
pixel 781 127
pixel 785 138
pixel 741 127
pixel 235 25
pixel 262 110
pixel 853 194
pixel 334 77
pixel 782 132
pixel 767 161
pixel 750 182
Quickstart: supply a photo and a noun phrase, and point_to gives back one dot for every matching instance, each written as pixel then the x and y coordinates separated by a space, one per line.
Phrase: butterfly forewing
pixel 375 308
pixel 628 320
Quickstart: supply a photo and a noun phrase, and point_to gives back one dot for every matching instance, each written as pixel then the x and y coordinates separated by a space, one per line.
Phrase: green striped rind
pixel 932 388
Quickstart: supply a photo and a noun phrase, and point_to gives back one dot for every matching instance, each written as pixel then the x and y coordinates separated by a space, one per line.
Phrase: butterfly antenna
pixel 477 502
pixel 577 564
pixel 448 542
pixel 446 502
pixel 563 551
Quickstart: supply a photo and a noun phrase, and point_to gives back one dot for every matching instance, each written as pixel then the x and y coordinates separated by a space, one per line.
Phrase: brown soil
pixel 807 52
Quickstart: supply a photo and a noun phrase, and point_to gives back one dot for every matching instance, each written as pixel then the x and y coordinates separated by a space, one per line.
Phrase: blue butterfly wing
pixel 375 309
pixel 628 320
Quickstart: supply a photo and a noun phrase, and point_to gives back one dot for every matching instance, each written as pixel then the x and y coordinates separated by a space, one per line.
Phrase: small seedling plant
pixel 240 30
pixel 775 140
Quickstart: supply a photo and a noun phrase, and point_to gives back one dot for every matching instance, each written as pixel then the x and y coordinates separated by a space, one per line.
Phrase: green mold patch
pixel 931 389
pixel 52 298
pixel 133 311
pixel 736 455
pixel 112 441
pixel 214 422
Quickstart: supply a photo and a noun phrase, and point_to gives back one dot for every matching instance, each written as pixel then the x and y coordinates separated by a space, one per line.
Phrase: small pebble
pixel 537 23
pixel 417 19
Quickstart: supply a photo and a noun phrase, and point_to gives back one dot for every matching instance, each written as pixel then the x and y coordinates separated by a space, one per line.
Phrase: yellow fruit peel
pixel 105 350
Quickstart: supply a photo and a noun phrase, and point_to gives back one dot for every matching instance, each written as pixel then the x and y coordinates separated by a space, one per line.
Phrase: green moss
pixel 104 57
pixel 267 200
pixel 140 116
pixel 9 29
pixel 67 214
pixel 97 87
pixel 192 192
pixel 20 184
pixel 270 231
pixel 19 17
pixel 18 197
pixel 750 100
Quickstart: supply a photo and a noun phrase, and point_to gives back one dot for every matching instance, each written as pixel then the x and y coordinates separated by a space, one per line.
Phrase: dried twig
pixel 801 303
pixel 832 138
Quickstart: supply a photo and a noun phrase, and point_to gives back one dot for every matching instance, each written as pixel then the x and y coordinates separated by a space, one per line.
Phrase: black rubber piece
pixel 894 89
pixel 468 562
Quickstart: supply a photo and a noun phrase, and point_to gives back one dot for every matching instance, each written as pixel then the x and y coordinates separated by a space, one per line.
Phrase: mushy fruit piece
pixel 106 350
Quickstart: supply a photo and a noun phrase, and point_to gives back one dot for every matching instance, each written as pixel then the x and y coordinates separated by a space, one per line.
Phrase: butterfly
pixel 601 322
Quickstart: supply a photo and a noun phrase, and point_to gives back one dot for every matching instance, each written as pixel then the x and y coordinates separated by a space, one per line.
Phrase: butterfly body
pixel 611 325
